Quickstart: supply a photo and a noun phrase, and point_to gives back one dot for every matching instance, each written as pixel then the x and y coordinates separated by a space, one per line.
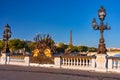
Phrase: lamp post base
pixel 4 58
pixel 101 61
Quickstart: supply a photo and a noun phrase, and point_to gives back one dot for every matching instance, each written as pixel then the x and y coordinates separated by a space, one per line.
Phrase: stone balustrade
pixel 100 62
pixel 77 62
pixel 14 60
pixel 18 60
pixel 114 64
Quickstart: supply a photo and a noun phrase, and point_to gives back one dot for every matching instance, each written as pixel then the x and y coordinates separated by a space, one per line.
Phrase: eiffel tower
pixel 70 38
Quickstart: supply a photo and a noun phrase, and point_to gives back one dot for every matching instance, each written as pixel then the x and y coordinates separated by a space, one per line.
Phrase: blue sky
pixel 57 17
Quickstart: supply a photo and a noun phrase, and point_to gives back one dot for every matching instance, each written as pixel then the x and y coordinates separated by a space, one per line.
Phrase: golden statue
pixel 48 52
pixel 35 53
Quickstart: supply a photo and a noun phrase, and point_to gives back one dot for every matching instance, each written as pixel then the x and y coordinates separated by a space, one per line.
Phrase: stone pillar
pixel 118 64
pixel 27 60
pixel 4 58
pixel 93 63
pixel 87 64
pixel 63 61
pixel 74 62
pixel 71 61
pixel 77 62
pixel 110 65
pixel 83 62
pixel 101 62
pixel 80 61
pixel 8 59
pixel 68 61
pixel 57 61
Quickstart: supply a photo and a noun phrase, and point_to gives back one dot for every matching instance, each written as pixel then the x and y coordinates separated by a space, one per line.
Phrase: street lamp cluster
pixel 101 14
pixel 6 36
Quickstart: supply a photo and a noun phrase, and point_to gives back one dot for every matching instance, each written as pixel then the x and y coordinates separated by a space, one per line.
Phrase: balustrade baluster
pixel 74 61
pixel 118 63
pixel 83 62
pixel 71 61
pixel 68 61
pixel 80 62
pixel 86 62
pixel 114 63
pixel 63 61
pixel 77 61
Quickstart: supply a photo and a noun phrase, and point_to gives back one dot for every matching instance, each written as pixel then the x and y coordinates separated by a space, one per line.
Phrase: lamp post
pixel 6 36
pixel 101 14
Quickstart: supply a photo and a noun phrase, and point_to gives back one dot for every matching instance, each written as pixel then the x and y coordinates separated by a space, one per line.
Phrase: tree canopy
pixel 64 48
pixel 43 42
pixel 16 44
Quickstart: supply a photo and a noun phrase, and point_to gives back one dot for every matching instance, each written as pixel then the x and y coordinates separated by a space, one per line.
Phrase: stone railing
pixel 76 62
pixel 101 62
pixel 18 60
pixel 114 64
pixel 0 58
pixel 14 60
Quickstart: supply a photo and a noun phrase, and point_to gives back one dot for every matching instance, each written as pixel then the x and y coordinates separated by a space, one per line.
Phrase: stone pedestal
pixel 4 58
pixel 93 64
pixel 101 62
pixel 57 61
pixel 27 60
pixel 110 64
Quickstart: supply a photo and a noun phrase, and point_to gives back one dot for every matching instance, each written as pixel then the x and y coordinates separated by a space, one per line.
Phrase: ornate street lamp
pixel 6 36
pixel 101 14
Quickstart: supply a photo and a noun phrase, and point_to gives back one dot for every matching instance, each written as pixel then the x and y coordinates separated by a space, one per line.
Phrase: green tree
pixel 82 48
pixel 61 47
pixel 1 45
pixel 74 49
pixel 92 49
pixel 16 44
pixel 32 45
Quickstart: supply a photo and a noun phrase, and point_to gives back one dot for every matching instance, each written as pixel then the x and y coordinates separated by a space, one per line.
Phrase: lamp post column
pixel 6 51
pixel 101 56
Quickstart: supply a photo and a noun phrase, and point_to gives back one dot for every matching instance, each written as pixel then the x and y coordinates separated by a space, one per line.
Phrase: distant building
pixel 113 49
pixel 27 41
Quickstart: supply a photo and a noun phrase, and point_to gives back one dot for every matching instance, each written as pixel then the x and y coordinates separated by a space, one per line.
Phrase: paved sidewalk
pixel 9 72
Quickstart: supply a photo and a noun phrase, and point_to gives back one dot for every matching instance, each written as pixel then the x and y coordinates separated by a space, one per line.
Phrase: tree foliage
pixel 1 45
pixel 45 42
pixel 92 49
pixel 16 44
pixel 32 45
pixel 61 47
pixel 82 48
pixel 70 48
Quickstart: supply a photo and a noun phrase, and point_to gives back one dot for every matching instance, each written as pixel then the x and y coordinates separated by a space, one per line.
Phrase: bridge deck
pixel 8 72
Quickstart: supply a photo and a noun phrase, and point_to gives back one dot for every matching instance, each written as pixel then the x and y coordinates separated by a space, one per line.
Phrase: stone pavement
pixel 9 72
